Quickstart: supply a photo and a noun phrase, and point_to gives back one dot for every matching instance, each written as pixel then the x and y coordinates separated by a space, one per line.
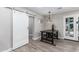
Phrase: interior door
pixel 20 29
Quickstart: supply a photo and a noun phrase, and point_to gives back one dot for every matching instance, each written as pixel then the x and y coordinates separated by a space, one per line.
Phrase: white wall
pixel 5 29
pixel 37 27
pixel 47 23
pixel 57 20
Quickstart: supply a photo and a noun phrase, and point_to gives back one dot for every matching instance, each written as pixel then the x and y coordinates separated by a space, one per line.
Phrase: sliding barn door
pixel 20 29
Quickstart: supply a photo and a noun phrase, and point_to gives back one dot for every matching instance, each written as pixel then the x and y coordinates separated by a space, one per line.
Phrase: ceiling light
pixel 49 16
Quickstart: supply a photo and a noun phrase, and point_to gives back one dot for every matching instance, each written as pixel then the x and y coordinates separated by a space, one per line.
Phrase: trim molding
pixel 8 50
pixel 61 37
pixel 36 38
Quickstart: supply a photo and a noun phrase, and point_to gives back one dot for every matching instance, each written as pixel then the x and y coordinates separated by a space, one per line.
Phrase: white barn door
pixel 20 29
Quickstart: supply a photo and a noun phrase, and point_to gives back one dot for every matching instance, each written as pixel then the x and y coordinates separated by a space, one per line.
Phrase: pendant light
pixel 49 16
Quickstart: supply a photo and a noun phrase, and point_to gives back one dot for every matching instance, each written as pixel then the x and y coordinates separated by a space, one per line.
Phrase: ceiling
pixel 54 10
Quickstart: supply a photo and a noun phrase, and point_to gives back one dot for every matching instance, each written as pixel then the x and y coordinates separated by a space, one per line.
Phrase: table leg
pixel 41 36
pixel 53 42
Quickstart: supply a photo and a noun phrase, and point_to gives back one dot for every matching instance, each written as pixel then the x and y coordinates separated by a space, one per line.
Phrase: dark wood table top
pixel 48 31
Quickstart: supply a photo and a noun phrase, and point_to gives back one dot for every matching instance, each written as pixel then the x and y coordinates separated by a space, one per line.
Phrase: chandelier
pixel 49 16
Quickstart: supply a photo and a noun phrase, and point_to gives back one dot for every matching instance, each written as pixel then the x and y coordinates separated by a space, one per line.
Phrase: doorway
pixel 31 27
pixel 71 27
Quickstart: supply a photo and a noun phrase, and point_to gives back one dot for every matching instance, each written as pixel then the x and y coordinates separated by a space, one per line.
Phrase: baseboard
pixel 8 50
pixel 61 37
pixel 36 38
pixel 72 40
